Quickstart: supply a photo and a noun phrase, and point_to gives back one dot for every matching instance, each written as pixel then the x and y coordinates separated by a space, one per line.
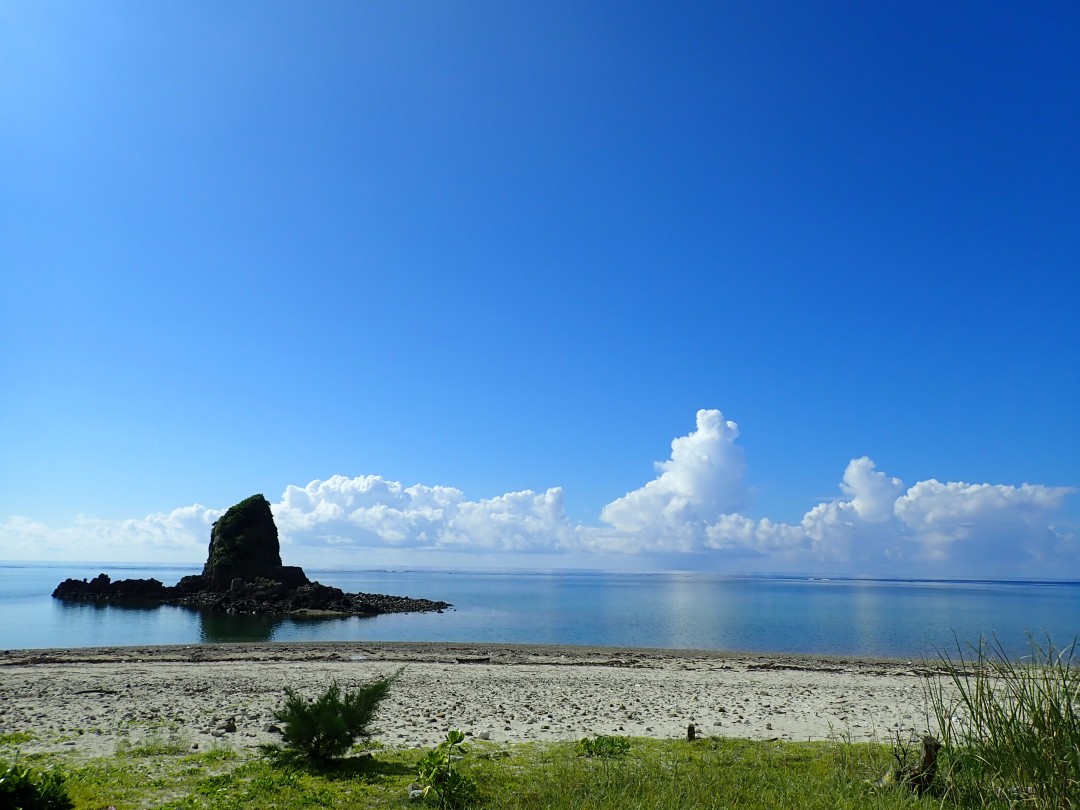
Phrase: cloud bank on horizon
pixel 690 515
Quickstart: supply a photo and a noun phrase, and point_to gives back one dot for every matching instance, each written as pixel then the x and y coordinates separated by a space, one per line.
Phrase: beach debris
pixel 922 775
pixel 918 774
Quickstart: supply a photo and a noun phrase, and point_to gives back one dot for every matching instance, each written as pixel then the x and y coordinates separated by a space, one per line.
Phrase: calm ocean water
pixel 891 618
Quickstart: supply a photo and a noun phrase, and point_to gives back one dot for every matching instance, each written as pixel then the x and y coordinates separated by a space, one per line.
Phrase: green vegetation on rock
pixel 244 537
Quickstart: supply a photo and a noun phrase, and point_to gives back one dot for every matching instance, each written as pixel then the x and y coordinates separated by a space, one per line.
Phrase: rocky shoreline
pixel 262 597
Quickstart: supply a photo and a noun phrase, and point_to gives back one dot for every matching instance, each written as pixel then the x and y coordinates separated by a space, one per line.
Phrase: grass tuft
pixel 157 745
pixel 15 737
pixel 1011 729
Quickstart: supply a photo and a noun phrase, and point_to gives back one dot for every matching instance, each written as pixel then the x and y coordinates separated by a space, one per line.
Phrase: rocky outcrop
pixel 261 596
pixel 244 545
pixel 103 588
pixel 243 574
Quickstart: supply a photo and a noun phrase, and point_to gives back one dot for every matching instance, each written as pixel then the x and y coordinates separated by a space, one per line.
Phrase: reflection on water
pixel 101 609
pixel 102 624
pixel 218 627
pixel 144 619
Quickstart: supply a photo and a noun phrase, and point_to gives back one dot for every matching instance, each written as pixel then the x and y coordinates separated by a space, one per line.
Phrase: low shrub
pixel 24 789
pixel 318 732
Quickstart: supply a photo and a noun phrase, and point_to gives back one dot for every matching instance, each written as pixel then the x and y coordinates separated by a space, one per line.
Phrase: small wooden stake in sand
pixel 691 733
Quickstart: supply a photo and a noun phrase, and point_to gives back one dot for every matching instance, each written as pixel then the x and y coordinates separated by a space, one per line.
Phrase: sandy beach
pixel 89 701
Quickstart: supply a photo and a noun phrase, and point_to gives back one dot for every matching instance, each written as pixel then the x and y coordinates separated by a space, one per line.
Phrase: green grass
pixel 155 745
pixel 16 738
pixel 1011 734
pixel 1011 729
pixel 708 773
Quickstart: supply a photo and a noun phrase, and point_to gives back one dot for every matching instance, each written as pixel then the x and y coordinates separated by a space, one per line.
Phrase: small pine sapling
pixel 320 731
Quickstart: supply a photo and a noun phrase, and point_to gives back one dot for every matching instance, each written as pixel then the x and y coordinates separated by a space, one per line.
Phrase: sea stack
pixel 244 546
pixel 243 574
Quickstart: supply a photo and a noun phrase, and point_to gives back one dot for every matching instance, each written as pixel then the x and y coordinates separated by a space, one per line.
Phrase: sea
pixel 887 618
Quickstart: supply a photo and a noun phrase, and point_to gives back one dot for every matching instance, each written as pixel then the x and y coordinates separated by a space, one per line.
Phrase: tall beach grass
pixel 1011 728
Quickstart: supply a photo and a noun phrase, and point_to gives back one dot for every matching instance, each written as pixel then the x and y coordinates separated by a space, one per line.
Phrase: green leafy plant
pixel 25 789
pixel 441 783
pixel 604 746
pixel 319 731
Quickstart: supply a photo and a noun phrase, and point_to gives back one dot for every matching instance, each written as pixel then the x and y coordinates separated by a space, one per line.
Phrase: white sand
pixel 86 701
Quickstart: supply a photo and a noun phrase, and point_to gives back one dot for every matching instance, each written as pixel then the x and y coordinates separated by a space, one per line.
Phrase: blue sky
pixel 445 281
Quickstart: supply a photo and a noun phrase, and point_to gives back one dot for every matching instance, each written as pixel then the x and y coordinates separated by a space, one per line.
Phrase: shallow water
pixel 888 618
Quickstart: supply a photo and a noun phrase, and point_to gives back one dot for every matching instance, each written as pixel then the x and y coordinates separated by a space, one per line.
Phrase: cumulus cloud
pixel 370 511
pixel 180 535
pixel 694 506
pixel 702 480
pixel 960 521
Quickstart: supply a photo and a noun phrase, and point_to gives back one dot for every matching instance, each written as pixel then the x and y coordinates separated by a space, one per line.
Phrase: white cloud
pixel 702 480
pixel 872 493
pixel 958 521
pixel 761 537
pixel 694 506
pixel 181 535
pixel 370 511
pixel 858 527
pixel 934 506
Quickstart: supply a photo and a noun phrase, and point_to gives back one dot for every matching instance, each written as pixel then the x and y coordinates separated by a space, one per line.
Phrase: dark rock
pixel 243 574
pixel 103 588
pixel 244 546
